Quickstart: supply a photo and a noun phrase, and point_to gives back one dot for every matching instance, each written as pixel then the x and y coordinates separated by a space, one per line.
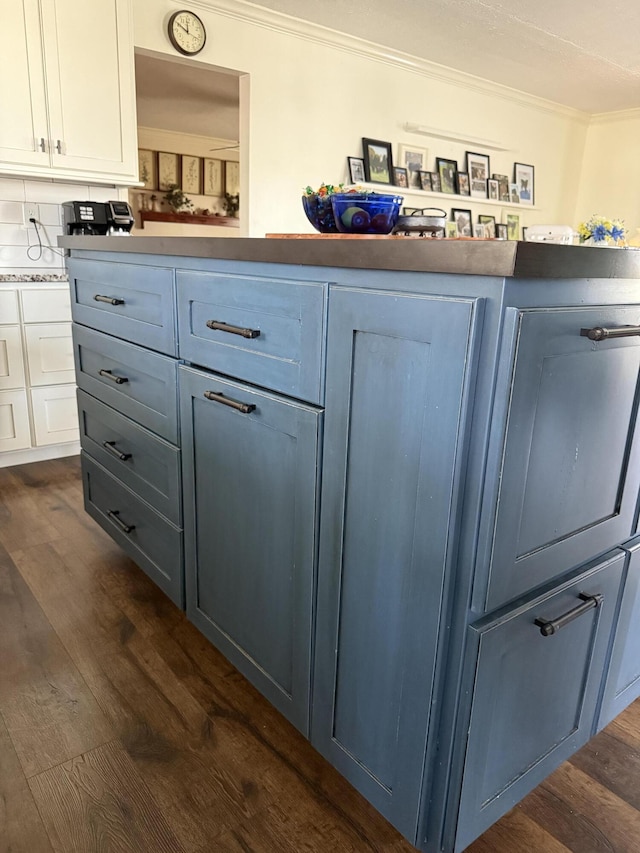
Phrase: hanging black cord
pixel 39 247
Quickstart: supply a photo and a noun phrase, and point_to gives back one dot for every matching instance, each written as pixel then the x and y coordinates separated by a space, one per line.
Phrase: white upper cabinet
pixel 70 96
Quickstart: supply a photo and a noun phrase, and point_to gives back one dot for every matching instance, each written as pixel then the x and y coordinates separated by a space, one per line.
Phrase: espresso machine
pixel 101 218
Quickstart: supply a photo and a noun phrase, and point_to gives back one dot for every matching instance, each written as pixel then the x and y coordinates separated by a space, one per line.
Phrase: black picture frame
pixel 463 183
pixel 447 169
pixel 490 221
pixel 524 177
pixel 462 218
pixel 436 186
pixel 425 181
pixel 378 161
pixel 356 170
pixel 478 167
pixel 401 177
pixel 501 231
pixel 503 186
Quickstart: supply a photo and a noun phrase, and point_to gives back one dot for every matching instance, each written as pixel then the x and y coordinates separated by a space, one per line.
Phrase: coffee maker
pixel 101 218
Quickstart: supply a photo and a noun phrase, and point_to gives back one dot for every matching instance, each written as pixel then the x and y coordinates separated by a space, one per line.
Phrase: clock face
pixel 187 33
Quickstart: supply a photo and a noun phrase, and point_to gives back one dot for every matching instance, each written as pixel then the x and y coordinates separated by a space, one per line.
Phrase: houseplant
pixel 177 200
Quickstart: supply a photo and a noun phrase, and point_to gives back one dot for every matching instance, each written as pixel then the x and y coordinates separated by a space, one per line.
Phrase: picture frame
pixel 191 174
pixel 478 169
pixel 479 231
pixel 355 166
pixel 436 186
pixel 447 169
pixel 147 169
pixel 524 234
pixel 213 176
pixel 167 170
pixel 378 161
pixel 425 181
pixel 452 232
pixel 524 176
pixel 414 159
pixel 489 223
pixel 501 231
pixel 503 187
pixel 513 226
pixel 400 177
pixel 514 193
pixel 493 190
pixel 463 183
pixel 232 177
pixel 462 219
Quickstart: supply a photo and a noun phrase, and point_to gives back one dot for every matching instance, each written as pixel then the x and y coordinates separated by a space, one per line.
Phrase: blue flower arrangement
pixel 602 231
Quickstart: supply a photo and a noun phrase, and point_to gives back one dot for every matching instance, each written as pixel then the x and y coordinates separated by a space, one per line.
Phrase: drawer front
pixel 14 421
pixel 11 363
pixel 55 414
pixel 46 305
pixel 152 542
pixel 136 382
pixel 535 696
pixel 9 306
pixel 132 302
pixel 286 317
pixel 147 464
pixel 50 353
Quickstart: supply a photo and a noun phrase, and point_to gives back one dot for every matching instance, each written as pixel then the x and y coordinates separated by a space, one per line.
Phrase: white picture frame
pixel 232 177
pixel 414 159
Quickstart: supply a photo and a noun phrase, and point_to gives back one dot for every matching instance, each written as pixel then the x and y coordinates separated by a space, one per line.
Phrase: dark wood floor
pixel 122 729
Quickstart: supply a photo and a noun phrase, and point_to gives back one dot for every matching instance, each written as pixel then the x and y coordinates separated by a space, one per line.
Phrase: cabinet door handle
pixel 219 326
pixel 42 145
pixel 110 300
pixel 119 380
pixel 547 628
pixel 59 146
pixel 245 408
pixel 111 447
pixel 114 515
pixel 601 333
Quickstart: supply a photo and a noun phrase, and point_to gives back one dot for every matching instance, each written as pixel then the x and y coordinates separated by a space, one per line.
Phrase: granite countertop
pixel 34 277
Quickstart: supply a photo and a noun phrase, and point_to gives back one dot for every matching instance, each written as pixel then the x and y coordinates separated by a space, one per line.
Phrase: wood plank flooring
pixel 122 730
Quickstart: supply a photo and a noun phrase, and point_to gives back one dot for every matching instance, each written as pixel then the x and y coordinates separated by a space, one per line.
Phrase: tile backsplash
pixel 18 243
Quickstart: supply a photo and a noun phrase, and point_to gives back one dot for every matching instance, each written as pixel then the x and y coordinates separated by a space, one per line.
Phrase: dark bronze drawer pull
pixel 600 333
pixel 119 380
pixel 245 408
pixel 110 300
pixel 219 326
pixel 114 515
pixel 111 447
pixel 552 627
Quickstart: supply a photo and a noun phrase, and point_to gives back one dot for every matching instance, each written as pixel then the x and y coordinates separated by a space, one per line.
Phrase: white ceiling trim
pixel 616 116
pixel 279 22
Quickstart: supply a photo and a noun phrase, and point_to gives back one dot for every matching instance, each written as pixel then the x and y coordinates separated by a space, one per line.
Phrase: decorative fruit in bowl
pixel 317 206
pixel 365 212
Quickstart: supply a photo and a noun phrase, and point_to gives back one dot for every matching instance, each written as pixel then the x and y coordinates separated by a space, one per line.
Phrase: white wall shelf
pixel 452 136
pixel 445 197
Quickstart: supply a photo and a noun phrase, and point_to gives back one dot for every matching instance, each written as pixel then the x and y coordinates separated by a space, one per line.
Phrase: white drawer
pixel 9 306
pixel 49 353
pixel 45 304
pixel 14 421
pixel 55 414
pixel 11 362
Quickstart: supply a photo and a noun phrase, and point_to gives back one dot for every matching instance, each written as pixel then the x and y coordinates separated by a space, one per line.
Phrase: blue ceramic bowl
pixel 319 212
pixel 366 213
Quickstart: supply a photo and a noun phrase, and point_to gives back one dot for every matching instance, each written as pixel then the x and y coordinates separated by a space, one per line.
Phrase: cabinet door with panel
pixel 397 387
pixel 250 462
pixel 569 466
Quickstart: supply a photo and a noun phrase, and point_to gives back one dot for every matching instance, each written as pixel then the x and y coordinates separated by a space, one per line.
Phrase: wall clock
pixel 186 32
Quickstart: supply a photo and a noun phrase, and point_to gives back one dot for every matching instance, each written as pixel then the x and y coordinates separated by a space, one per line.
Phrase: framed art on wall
pixel 167 170
pixel 400 177
pixel 503 187
pixel 425 181
pixel 435 182
pixel 523 176
pixel 232 177
pixel 191 174
pixel 501 231
pixel 489 223
pixel 463 183
pixel 212 171
pixel 493 190
pixel 147 169
pixel 356 170
pixel 414 160
pixel 378 162
pixel 462 218
pixel 513 226
pixel 447 170
pixel 478 169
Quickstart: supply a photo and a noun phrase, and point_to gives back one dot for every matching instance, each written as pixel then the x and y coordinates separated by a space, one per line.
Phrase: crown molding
pixel 616 116
pixel 260 16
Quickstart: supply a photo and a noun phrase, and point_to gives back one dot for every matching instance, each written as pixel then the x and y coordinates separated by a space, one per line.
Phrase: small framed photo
pixel 356 170
pixel 513 226
pixel 524 233
pixel 414 160
pixel 462 219
pixel 478 169
pixel 232 177
pixel 436 185
pixel 501 231
pixel 425 181
pixel 378 161
pixel 213 174
pixel 489 223
pixel 479 231
pixel 493 190
pixel 523 177
pixel 503 187
pixel 463 183
pixel 147 169
pixel 452 230
pixel 447 170
pixel 167 170
pixel 191 176
pixel 400 177
pixel 514 194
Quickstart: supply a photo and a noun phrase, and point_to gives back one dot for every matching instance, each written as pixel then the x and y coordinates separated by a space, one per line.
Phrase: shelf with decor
pixel 187 218
pixel 442 197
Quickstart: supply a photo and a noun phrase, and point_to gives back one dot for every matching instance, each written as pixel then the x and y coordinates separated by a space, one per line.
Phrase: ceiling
pixel 583 55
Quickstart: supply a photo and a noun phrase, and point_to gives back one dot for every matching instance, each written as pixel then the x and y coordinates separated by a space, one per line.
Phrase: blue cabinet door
pixel 569 468
pixel 250 529
pixel 535 695
pixel 397 373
